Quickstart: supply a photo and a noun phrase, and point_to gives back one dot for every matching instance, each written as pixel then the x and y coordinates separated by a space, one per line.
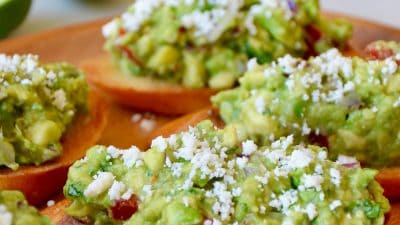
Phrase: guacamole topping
pixel 349 105
pixel 15 210
pixel 206 176
pixel 206 43
pixel 37 103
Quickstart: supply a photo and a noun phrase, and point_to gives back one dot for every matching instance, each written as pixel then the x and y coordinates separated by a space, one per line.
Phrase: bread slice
pixel 144 93
pixel 183 123
pixel 39 183
pixel 57 215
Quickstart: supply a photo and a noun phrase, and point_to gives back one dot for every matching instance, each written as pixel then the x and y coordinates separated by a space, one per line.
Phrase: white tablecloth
pixel 47 14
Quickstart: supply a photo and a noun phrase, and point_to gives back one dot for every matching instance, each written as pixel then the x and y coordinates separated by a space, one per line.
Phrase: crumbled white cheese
pixel 236 192
pixel 305 130
pixel 263 179
pixel 131 157
pixel 335 176
pixel 334 204
pixel 311 211
pixel 390 66
pixel 288 64
pixel 110 28
pixel 252 63
pixel 128 194
pixel 60 99
pixel 136 117
pixel 160 143
pixel 275 155
pixel 147 189
pixel 312 181
pixel 100 184
pixel 260 104
pixel 285 200
pixel 116 190
pixel 142 10
pixel 185 201
pixel 6 217
pixel 51 75
pixel 212 222
pixel 147 124
pixel 318 169
pixel 283 143
pixel 396 103
pixel 176 169
pixel 26 81
pixel 212 23
pixel 248 147
pixel 241 162
pixel 287 222
pixel 322 155
pixel 12 64
pixel 224 205
pixel 300 158
pixel 50 203
pixel 347 160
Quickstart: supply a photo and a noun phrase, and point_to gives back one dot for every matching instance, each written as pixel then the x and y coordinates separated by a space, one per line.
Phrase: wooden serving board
pixel 77 43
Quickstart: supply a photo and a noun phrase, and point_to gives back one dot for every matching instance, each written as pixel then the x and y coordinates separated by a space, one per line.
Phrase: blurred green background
pixel 48 14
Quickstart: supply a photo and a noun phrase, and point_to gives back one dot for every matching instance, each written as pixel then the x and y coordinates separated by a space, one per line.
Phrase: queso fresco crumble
pixel 203 176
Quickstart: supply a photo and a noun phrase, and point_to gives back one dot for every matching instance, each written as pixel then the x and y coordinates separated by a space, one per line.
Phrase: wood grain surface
pixel 77 43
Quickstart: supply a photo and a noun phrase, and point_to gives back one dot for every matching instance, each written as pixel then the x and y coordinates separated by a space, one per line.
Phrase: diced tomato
pixel 121 31
pixel 313 33
pixel 318 139
pixel 182 29
pixel 124 209
pixel 378 54
pixel 130 55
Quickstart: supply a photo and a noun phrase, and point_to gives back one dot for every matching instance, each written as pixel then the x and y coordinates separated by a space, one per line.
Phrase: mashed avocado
pixel 349 105
pixel 206 43
pixel 15 210
pixel 206 176
pixel 37 103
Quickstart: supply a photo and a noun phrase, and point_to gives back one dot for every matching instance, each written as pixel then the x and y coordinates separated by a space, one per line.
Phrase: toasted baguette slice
pixel 389 178
pixel 56 212
pixel 184 122
pixel 57 215
pixel 38 183
pixel 143 92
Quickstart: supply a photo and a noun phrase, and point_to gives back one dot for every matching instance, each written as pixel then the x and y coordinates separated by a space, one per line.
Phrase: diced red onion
pixel 292 5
